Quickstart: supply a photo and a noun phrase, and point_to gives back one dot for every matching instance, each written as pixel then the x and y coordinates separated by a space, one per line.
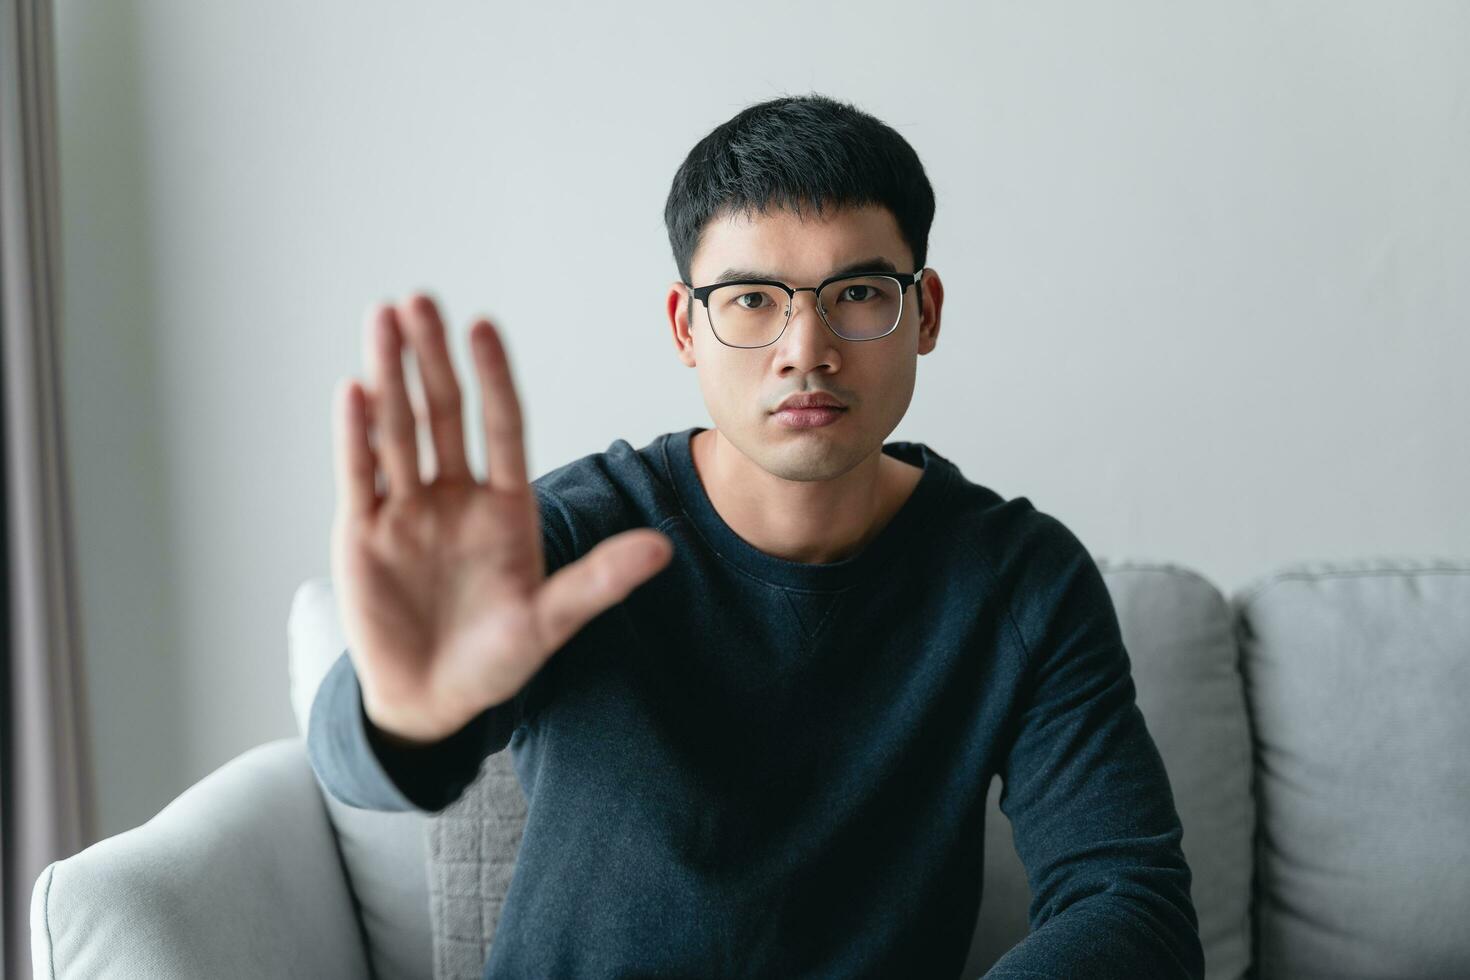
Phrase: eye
pixel 744 296
pixel 869 292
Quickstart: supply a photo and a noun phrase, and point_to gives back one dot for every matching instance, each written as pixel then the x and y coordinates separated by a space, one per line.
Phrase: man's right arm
pixel 364 768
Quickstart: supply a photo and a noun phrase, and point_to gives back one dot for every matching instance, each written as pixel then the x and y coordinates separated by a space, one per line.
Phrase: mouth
pixel 809 418
pixel 810 401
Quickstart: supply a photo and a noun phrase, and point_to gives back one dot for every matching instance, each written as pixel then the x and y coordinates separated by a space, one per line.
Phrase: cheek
pixel 733 396
pixel 719 388
pixel 899 391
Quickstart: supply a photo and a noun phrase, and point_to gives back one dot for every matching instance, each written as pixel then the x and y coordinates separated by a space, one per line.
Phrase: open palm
pixel 441 584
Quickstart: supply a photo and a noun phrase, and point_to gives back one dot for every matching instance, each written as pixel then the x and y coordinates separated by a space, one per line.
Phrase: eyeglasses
pixel 754 312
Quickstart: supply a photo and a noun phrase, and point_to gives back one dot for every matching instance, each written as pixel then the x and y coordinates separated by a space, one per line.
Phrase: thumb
pixel 602 578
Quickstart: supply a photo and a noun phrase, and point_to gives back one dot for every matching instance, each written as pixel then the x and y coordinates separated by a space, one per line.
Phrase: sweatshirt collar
pixel 899 535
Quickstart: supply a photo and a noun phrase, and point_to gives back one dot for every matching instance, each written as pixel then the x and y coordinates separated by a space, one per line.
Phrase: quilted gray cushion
pixel 472 855
pixel 1357 675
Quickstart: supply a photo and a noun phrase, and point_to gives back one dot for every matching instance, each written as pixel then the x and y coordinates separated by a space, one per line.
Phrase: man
pixel 756 678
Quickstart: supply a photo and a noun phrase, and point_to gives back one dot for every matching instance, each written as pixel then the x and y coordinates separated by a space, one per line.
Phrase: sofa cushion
pixel 385 853
pixel 473 845
pixel 1357 675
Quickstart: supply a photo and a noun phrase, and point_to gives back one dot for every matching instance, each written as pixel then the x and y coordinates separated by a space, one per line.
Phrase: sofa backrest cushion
pixel 385 854
pixel 1357 676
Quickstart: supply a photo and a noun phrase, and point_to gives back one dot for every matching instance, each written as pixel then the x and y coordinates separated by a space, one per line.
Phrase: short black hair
pixel 793 151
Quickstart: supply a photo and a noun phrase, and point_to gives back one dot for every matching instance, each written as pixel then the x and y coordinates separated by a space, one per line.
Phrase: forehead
pixel 800 249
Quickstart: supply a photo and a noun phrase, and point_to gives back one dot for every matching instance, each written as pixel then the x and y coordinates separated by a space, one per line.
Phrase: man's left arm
pixel 1086 792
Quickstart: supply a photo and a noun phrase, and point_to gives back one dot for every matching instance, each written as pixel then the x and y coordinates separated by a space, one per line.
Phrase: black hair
pixel 795 151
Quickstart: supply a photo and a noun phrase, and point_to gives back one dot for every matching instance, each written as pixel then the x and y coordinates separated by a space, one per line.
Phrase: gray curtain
pixel 45 777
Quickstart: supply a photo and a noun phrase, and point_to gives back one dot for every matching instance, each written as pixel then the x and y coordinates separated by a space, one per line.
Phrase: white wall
pixel 1206 298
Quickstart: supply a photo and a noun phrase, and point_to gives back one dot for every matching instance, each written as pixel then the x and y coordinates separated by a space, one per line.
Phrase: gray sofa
pixel 1314 726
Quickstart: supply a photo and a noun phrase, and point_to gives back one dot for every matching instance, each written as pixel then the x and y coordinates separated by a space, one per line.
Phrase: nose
pixel 808 343
pixel 806 326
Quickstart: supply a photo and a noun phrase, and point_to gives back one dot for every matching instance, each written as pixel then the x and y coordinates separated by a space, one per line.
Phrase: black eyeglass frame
pixel 904 280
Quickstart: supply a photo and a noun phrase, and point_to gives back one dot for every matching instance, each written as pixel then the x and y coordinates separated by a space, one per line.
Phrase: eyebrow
pixel 875 264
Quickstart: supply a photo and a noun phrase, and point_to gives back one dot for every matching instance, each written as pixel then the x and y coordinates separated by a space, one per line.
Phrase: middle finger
pixel 425 331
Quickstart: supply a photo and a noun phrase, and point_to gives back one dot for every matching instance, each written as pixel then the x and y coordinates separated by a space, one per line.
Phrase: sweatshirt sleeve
pixel 354 763
pixel 1086 791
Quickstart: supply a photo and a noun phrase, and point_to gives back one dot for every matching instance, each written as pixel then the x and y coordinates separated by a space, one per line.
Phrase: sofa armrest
pixel 239 876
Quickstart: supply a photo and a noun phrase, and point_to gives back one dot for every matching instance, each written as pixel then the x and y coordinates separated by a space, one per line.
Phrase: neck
pixel 808 521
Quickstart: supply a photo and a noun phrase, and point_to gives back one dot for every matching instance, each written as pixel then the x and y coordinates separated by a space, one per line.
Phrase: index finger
pixel 357 494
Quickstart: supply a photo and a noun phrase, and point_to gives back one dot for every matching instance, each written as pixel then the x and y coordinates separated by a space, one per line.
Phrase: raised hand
pixel 441 584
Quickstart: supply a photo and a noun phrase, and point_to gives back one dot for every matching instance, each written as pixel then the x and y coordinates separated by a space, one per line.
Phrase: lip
pixel 809 400
pixel 809 418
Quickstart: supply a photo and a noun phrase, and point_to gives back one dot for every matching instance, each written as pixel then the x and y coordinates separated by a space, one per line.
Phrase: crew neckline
pixel 899 532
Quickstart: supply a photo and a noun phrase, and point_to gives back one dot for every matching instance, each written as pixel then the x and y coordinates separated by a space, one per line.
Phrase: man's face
pixel 743 387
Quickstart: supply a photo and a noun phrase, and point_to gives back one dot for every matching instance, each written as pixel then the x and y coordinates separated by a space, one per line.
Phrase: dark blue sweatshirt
pixel 766 768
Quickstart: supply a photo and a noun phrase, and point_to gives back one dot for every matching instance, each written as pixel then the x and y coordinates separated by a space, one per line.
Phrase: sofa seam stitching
pixel 46 918
pixel 1249 597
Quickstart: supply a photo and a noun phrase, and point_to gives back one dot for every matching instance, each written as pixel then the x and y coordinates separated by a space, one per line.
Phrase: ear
pixel 679 301
pixel 933 304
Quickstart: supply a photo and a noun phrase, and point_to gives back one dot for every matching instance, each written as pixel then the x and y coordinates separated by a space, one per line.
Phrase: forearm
pixel 1123 933
pixel 366 768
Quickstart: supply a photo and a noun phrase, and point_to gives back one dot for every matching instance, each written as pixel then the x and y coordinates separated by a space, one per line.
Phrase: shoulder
pixel 1004 533
pixel 1031 557
pixel 1053 587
